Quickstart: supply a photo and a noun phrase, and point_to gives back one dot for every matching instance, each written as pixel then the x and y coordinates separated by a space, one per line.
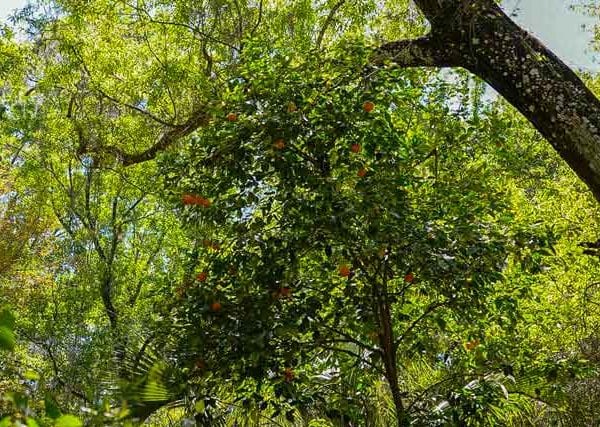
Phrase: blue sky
pixel 550 20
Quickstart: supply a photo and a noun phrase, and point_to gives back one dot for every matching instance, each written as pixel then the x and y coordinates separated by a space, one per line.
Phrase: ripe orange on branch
pixel 355 148
pixel 232 117
pixel 470 345
pixel 202 276
pixel 216 306
pixel 368 106
pixel 362 172
pixel 279 144
pixel 344 270
pixel 288 374
pixel 193 199
pixel 188 199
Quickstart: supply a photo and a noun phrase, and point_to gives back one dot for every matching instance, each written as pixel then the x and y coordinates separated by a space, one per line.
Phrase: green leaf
pixel 199 406
pixel 51 407
pixel 7 338
pixel 31 375
pixel 68 421
pixel 7 319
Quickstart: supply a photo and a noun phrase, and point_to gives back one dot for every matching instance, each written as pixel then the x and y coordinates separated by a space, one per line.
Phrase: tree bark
pixel 478 36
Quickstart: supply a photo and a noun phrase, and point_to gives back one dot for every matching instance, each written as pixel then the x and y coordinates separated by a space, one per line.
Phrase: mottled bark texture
pixel 479 36
pixel 166 139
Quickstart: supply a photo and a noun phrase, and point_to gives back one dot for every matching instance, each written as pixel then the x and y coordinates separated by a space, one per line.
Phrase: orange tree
pixel 342 223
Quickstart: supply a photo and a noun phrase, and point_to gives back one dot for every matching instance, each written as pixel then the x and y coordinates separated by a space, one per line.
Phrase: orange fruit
pixel 355 148
pixel 470 345
pixel 188 199
pixel 203 202
pixel 180 291
pixel 368 106
pixel 232 117
pixel 216 306
pixel 202 276
pixel 362 172
pixel 344 270
pixel 279 144
pixel 409 278
pixel 288 374
pixel 192 199
pixel 285 292
pixel 215 246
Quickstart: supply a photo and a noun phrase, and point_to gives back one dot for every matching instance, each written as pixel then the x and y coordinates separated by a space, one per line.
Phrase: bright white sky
pixel 566 32
pixel 550 20
pixel 7 6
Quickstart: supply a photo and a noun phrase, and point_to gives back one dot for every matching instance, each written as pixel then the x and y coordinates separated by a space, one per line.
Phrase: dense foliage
pixel 219 213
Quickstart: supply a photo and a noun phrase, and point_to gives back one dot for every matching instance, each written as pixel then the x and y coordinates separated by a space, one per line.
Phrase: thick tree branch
pixel 428 51
pixel 167 138
pixel 440 13
pixel 479 36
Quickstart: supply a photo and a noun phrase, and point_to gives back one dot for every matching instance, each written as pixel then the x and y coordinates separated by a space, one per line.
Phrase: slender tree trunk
pixel 479 36
pixel 388 349
pixel 389 361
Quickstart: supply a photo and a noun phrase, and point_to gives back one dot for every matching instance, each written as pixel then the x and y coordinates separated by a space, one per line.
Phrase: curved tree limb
pixel 167 138
pixel 328 22
pixel 428 51
pixel 478 36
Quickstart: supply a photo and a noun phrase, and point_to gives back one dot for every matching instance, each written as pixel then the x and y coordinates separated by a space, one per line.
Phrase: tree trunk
pixel 387 345
pixel 479 36
pixel 389 362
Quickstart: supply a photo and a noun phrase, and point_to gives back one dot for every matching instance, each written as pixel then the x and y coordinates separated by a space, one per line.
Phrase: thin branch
pixel 420 396
pixel 116 229
pixel 149 260
pixel 432 307
pixel 136 108
pixel 56 369
pixel 259 19
pixel 328 22
pixel 168 87
pixel 351 339
pixel 353 354
pixel 132 207
pixel 240 22
pixel 142 350
pixel 194 30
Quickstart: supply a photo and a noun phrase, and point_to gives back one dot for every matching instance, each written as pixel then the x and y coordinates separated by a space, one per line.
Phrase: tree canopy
pixel 239 212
